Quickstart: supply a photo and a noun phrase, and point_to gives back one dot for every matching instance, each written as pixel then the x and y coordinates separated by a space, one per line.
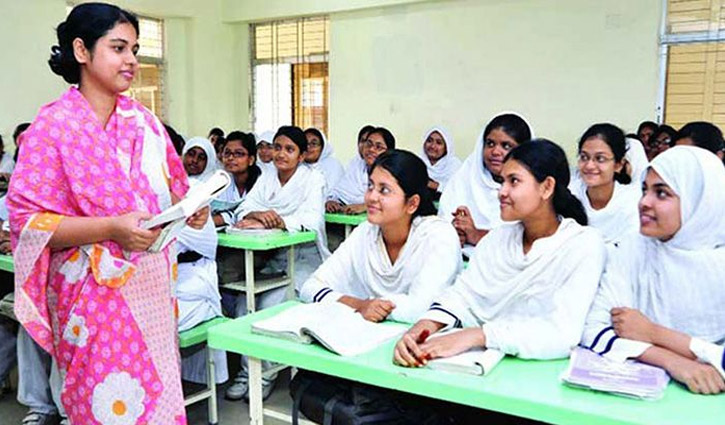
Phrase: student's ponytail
pixel 544 158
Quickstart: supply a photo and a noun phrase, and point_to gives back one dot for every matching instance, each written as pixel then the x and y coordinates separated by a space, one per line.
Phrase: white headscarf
pixel 265 136
pixel 474 187
pixel 328 165
pixel 447 166
pixel 211 161
pixel 677 283
pixel 637 158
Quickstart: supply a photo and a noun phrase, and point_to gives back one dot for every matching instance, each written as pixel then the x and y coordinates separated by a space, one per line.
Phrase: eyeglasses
pixel 234 154
pixel 598 158
pixel 377 146
pixel 314 144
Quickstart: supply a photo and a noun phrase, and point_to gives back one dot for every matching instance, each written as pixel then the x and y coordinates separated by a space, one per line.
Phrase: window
pixel 290 74
pixel 694 47
pixel 148 85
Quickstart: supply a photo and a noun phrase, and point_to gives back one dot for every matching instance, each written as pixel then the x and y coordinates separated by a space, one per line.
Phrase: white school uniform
pixel 678 283
pixel 7 163
pixel 230 194
pixel 428 263
pixel 328 165
pixel 619 218
pixel 442 171
pixel 351 187
pixel 529 305
pixel 473 186
pixel 266 167
pixel 197 289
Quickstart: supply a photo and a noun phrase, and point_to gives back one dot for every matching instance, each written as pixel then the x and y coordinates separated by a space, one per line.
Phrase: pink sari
pixel 106 316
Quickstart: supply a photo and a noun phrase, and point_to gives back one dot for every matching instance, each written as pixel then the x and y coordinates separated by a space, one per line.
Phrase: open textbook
pixel 334 325
pixel 173 219
pixel 476 361
pixel 588 369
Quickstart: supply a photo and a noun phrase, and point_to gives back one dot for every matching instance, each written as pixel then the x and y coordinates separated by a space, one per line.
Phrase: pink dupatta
pixel 106 316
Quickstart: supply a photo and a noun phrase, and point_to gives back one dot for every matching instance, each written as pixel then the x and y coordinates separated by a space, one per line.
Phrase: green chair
pixel 194 336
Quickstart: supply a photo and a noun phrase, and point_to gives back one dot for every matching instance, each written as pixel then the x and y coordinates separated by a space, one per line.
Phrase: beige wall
pixel 564 64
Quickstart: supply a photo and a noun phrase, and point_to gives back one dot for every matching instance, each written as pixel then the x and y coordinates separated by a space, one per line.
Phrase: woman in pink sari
pixel 94 164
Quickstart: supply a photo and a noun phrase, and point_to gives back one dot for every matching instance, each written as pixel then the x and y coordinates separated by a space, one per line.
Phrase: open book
pixel 334 325
pixel 173 219
pixel 588 369
pixel 476 361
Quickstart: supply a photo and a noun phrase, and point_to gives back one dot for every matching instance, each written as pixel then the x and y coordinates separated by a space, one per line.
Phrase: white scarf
pixel 211 161
pixel 203 241
pixel 620 217
pixel 533 304
pixel 677 283
pixel 446 166
pixel 351 187
pixel 473 186
pixel 361 268
pixel 328 165
pixel 266 167
pixel 300 202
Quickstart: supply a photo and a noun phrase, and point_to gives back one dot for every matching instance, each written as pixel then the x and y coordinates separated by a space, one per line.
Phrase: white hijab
pixel 203 241
pixel 637 158
pixel 328 165
pixel 679 283
pixel 265 136
pixel 447 166
pixel 474 187
pixel 211 161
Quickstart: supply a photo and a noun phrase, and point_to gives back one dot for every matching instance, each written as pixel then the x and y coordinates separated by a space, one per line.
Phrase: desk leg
pixel 256 409
pixel 348 230
pixel 249 277
pixel 291 273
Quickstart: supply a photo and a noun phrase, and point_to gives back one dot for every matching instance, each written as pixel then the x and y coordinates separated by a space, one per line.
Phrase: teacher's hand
pixel 126 232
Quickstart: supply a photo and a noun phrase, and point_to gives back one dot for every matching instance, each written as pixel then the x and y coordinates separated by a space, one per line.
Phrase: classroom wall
pixel 563 64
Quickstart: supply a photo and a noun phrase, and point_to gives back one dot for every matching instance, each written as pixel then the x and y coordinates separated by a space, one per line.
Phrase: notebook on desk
pixel 334 325
pixel 476 361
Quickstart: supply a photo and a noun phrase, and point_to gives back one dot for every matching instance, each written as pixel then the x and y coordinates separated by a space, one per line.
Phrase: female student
pixel 392 265
pixel 529 284
pixel 662 293
pixel 93 165
pixel 660 141
pixel 701 134
pixel 439 157
pixel 348 196
pixel 603 185
pixel 471 196
pixel 265 152
pixel 319 157
pixel 293 200
pixel 197 289
pixel 240 161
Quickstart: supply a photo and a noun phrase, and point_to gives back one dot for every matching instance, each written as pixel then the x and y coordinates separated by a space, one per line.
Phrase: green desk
pixel 263 243
pixel 6 263
pixel 518 387
pixel 349 221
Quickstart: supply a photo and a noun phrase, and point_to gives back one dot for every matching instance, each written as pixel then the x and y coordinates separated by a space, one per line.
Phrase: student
pixel 87 290
pixel 471 196
pixel 662 293
pixel 240 161
pixel 319 157
pixel 530 283
pixel 603 185
pixel 645 131
pixel 293 200
pixel 7 164
pixel 439 156
pixel 265 152
pixel 392 265
pixel 214 135
pixel 197 289
pixel 660 140
pixel 348 196
pixel 701 134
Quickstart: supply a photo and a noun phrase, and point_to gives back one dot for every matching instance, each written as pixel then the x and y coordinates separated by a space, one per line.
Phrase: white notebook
pixel 173 219
pixel 476 361
pixel 334 325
